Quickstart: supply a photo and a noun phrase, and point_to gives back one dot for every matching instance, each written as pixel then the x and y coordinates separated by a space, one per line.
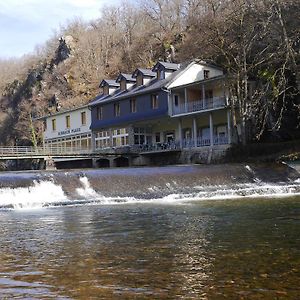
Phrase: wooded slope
pixel 255 41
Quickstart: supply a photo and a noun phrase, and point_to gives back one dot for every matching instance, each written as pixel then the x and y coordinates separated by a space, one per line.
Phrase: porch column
pixel 180 133
pixel 93 138
pixel 229 126
pixel 162 138
pixel 203 96
pixel 110 137
pixel 185 101
pixel 211 129
pixel 195 131
pixel 224 93
pixel 170 103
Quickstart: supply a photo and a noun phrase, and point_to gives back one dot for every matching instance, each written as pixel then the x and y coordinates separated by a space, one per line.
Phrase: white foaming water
pixel 86 191
pixel 47 193
pixel 32 197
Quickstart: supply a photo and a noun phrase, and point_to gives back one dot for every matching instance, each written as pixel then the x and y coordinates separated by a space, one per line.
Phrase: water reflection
pixel 205 250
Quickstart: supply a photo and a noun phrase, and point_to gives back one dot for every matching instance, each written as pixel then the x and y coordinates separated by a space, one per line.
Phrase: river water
pixel 224 232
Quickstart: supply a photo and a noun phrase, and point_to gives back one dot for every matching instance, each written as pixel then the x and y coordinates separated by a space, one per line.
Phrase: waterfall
pixel 162 184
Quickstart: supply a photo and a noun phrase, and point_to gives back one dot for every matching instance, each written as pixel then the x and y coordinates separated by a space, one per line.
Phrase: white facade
pixel 69 129
pixel 193 73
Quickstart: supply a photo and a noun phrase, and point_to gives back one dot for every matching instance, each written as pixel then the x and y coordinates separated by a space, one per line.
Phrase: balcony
pixel 198 105
pixel 202 142
pixel 173 146
pixel 157 147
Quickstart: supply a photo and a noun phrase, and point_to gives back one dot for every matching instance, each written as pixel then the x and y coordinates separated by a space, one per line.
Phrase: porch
pixel 198 97
pixel 180 145
pixel 168 135
pixel 198 105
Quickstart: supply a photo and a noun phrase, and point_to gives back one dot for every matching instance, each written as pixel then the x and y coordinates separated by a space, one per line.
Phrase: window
pixel 53 124
pixel 161 74
pixel 120 137
pixel 133 105
pixel 142 136
pixel 170 137
pixel 123 86
pixel 102 139
pixel 117 109
pixel 209 94
pixel 176 100
pixel 139 80
pixel 154 101
pixel 45 125
pixel 99 113
pixel 68 122
pixel 206 74
pixel 83 118
pixel 157 137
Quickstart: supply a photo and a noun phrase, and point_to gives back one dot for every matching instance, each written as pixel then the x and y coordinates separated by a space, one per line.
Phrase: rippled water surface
pixel 228 249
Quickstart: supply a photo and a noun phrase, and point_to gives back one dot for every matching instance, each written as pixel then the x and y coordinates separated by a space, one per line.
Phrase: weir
pixel 127 185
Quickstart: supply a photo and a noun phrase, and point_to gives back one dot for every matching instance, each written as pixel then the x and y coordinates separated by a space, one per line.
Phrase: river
pixel 189 232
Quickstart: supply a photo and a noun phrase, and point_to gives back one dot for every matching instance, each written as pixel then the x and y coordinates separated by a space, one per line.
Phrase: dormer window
pixel 161 74
pixel 206 74
pixel 143 76
pixel 105 90
pixel 123 85
pixel 165 69
pixel 109 86
pixel 139 80
pixel 126 81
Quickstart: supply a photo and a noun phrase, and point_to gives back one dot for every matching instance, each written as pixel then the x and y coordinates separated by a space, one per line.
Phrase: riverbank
pixel 265 152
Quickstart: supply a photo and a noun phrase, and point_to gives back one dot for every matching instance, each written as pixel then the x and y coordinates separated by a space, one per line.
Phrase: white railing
pixel 199 105
pixel 24 151
pixel 156 147
pixel 202 142
pixel 186 143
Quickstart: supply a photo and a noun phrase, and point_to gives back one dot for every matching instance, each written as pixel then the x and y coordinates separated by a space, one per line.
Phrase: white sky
pixel 27 23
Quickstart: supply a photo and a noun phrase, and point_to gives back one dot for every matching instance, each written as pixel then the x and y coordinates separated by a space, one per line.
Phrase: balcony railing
pixel 173 146
pixel 202 142
pixel 157 147
pixel 199 105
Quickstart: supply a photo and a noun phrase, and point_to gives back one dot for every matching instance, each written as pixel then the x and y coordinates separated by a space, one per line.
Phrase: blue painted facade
pixel 144 111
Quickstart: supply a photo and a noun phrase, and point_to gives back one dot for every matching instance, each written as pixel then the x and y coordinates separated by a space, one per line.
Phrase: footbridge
pixel 66 156
pixel 24 152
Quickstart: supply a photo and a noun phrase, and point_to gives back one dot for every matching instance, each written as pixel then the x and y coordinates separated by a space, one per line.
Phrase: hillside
pixel 253 40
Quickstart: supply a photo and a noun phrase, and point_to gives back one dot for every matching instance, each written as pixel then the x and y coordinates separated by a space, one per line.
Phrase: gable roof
pixel 208 63
pixel 127 77
pixel 166 65
pixel 109 82
pixel 144 72
pixel 152 86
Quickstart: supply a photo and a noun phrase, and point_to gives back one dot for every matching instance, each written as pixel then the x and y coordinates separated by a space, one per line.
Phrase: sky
pixel 27 23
